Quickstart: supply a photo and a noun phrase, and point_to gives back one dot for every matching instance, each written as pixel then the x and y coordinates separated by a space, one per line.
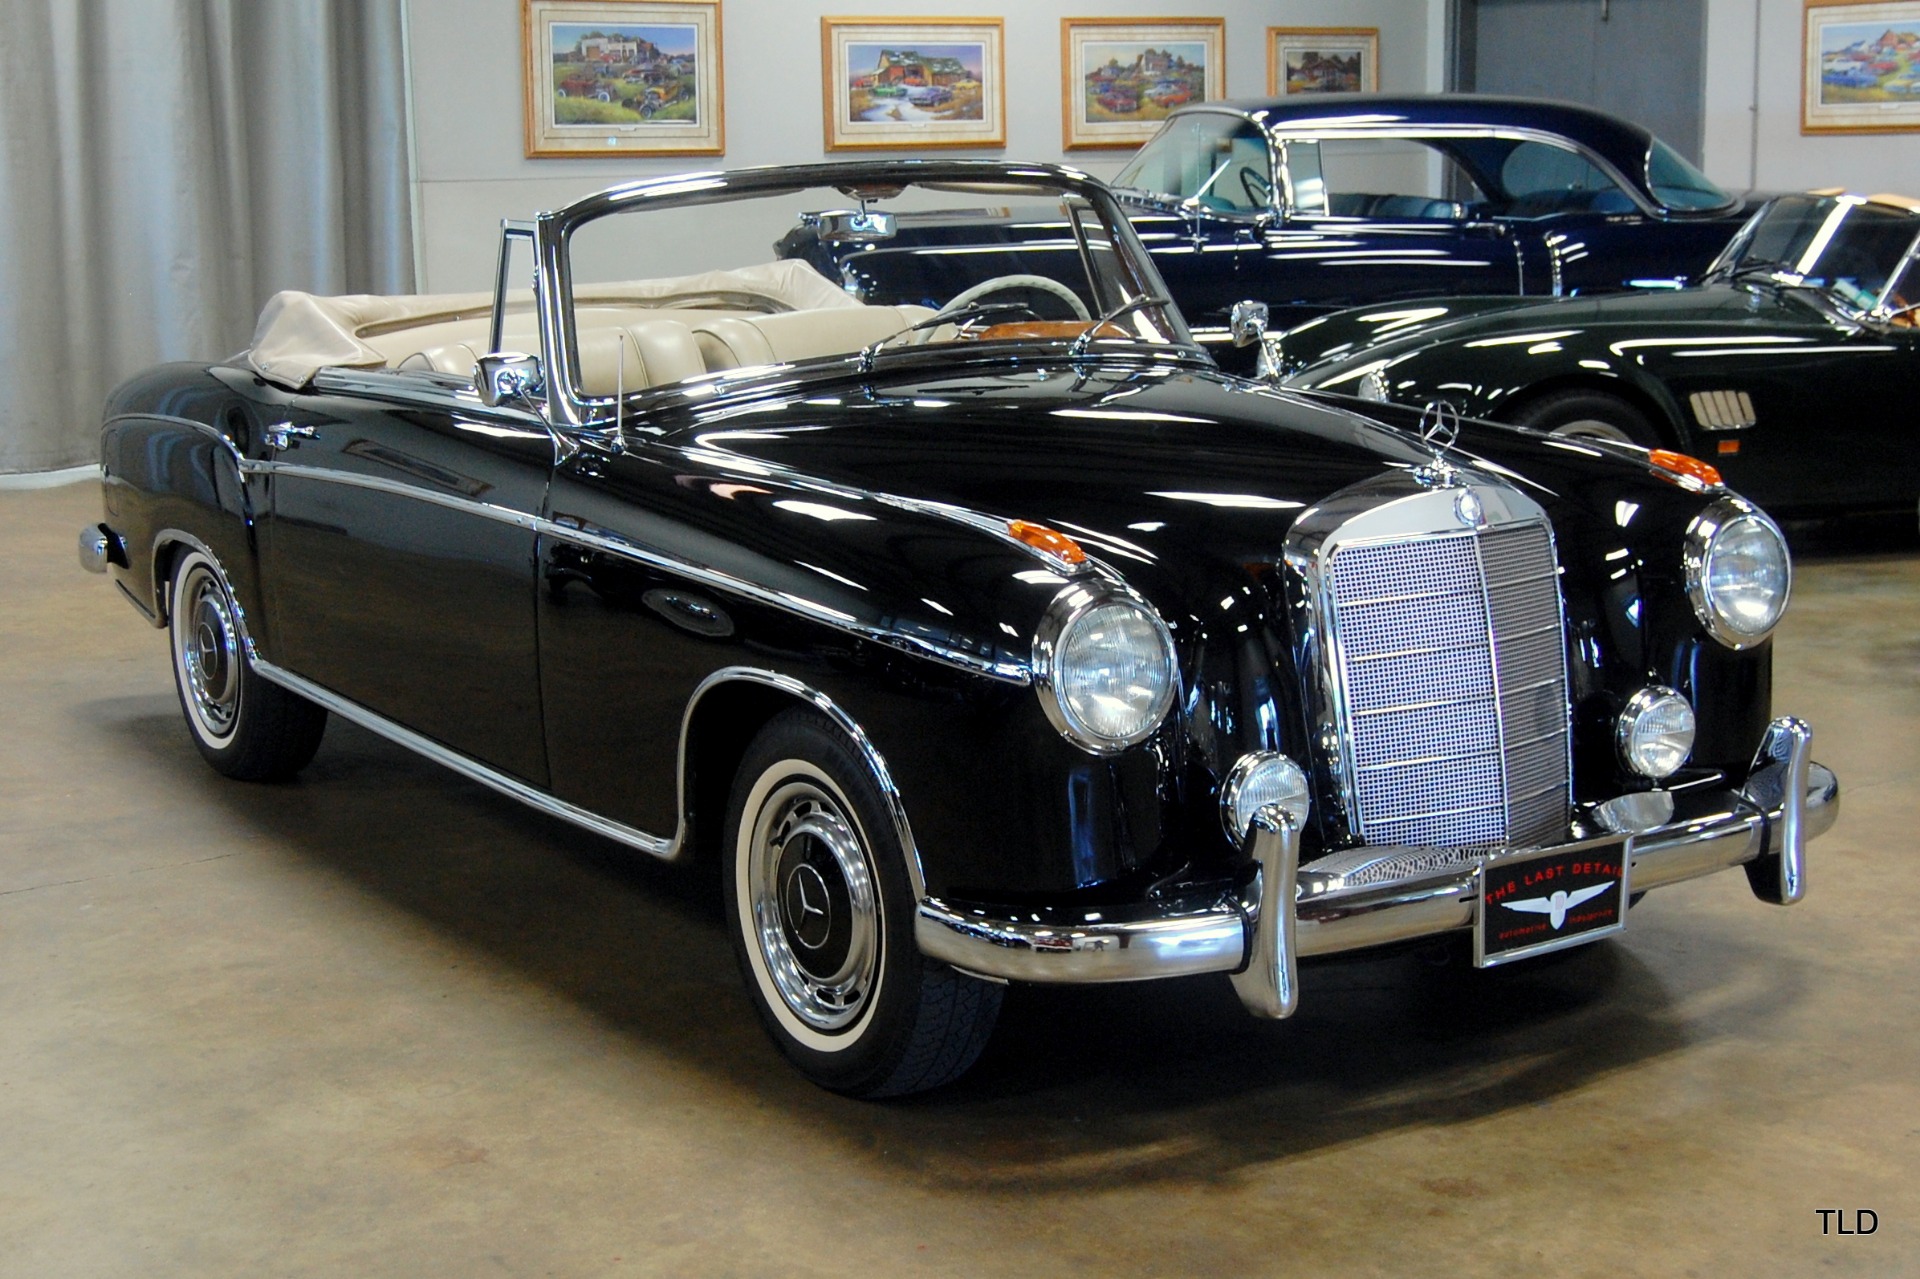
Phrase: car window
pixel 1677 184
pixel 1542 179
pixel 1383 178
pixel 1218 159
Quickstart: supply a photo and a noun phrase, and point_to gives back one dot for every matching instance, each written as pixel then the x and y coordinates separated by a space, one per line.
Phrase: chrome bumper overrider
pixel 1374 896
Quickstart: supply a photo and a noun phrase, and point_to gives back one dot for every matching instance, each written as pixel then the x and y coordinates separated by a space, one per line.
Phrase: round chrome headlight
pixel 1106 669
pixel 1655 732
pixel 1738 572
pixel 1257 780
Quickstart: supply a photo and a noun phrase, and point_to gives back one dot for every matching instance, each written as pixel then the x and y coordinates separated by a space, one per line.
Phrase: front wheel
pixel 1593 415
pixel 244 726
pixel 822 917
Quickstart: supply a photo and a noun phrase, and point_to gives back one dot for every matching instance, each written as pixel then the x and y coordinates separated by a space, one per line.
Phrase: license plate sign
pixel 1547 899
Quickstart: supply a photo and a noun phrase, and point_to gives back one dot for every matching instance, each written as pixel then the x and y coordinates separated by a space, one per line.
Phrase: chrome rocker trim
pixel 1765 826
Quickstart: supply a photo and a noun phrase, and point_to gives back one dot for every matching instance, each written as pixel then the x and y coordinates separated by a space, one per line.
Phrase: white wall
pixel 1752 134
pixel 471 171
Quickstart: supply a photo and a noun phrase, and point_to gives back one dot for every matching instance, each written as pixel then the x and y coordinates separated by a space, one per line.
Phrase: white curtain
pixel 165 167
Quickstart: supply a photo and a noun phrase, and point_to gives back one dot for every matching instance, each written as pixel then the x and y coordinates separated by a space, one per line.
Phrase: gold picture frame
pixel 1322 60
pixel 911 84
pixel 622 77
pixel 1860 67
pixel 1120 77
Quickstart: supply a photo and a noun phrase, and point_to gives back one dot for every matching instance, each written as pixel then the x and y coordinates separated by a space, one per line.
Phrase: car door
pixel 1377 219
pixel 399 558
pixel 1823 423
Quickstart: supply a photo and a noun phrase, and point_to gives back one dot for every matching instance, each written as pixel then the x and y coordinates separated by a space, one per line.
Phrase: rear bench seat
pixel 657 351
pixel 740 341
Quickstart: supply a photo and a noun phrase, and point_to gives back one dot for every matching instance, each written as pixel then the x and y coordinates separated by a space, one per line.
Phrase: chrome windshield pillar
pixel 1269 985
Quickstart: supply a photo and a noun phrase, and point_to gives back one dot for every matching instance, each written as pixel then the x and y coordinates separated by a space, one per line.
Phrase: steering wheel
pixel 1038 283
pixel 1259 191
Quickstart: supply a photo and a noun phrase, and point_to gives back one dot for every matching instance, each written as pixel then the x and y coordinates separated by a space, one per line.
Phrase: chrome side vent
pixel 1448 661
pixel 1722 410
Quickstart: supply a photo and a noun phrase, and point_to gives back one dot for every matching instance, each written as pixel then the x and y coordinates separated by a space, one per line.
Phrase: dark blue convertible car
pixel 1337 200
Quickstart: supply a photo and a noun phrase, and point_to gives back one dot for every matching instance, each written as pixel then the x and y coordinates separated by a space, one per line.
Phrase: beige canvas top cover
pixel 301 333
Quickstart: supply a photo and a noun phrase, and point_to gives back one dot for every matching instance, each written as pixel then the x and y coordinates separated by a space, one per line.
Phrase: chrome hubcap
pixel 813 905
pixel 209 652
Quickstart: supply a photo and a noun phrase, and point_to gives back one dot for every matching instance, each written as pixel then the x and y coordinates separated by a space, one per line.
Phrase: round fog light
pixel 1656 732
pixel 1259 779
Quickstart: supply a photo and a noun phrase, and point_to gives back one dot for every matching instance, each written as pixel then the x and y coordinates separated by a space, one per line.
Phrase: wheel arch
pixel 723 716
pixel 1654 404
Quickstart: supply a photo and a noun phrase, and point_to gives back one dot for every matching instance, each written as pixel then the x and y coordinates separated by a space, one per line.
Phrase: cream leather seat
pixel 650 353
pixel 743 341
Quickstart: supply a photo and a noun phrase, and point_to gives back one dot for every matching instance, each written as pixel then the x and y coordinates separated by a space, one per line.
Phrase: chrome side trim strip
pixel 896 807
pixel 529 795
pixel 1010 672
pixel 674 849
pixel 413 386
pixel 395 488
pixel 174 420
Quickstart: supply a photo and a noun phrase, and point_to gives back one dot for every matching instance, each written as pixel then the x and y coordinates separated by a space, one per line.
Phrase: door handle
pixel 282 435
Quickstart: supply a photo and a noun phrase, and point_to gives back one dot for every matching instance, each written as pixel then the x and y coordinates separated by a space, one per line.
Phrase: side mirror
pixel 1247 321
pixel 509 378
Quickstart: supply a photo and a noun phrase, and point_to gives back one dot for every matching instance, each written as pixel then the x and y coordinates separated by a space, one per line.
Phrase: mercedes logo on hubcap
pixel 808 907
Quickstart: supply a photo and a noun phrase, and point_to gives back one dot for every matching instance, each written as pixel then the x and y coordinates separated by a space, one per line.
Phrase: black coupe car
pixel 1790 368
pixel 1315 203
pixel 967 646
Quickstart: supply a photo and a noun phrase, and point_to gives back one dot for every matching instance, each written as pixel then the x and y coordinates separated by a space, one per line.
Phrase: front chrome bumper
pixel 1375 896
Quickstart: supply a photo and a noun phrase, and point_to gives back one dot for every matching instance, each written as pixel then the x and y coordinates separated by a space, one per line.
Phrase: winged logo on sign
pixel 1555 908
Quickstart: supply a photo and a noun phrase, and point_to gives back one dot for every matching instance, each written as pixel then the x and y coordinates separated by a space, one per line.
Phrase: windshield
pixel 717 274
pixel 1213 157
pixel 1677 184
pixel 1844 245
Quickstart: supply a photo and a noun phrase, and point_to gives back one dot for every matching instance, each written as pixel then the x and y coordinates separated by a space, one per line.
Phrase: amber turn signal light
pixel 1681 464
pixel 1052 541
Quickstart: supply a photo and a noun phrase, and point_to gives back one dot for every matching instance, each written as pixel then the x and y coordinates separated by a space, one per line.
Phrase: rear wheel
pixel 822 917
pixel 1594 415
pixel 244 726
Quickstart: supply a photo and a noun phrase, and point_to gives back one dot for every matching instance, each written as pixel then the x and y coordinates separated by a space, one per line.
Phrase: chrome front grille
pixel 1448 658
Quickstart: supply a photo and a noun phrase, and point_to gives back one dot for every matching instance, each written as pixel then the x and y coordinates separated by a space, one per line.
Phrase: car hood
pixel 1321 350
pixel 1176 477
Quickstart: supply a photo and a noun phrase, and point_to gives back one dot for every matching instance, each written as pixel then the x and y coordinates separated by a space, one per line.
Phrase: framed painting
pixel 1119 77
pixel 912 83
pixel 1860 67
pixel 1322 60
pixel 622 77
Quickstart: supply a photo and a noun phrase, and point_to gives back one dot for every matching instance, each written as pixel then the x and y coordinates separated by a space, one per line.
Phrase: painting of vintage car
pixel 1787 367
pixel 1121 76
pixel 994 637
pixel 930 81
pixel 595 69
pixel 622 77
pixel 1860 62
pixel 1396 199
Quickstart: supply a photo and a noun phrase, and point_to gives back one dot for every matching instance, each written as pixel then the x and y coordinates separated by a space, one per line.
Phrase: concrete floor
pixel 384 1022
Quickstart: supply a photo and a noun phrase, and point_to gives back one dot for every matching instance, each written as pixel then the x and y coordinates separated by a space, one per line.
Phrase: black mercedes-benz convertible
pixel 969 645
